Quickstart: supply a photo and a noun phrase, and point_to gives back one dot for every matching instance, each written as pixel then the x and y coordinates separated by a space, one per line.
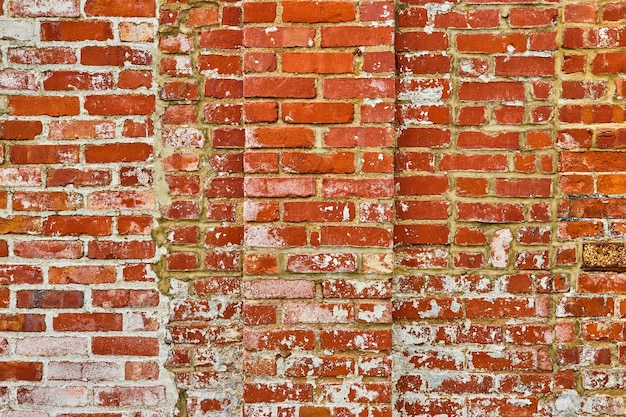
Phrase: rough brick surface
pixel 312 209
pixel 82 317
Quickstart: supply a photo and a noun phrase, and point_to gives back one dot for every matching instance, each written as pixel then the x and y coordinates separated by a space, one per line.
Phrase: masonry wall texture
pixel 294 208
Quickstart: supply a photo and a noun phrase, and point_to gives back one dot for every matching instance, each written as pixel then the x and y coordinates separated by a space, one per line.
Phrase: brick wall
pixel 312 209
pixel 82 316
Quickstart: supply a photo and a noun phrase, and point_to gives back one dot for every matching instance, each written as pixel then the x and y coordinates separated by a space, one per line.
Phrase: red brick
pixel 314 12
pixel 470 19
pixel 318 62
pixel 260 112
pixel 358 88
pixel 61 8
pixel 525 66
pixel 110 200
pixel 229 114
pixel 523 187
pixel 50 249
pixel 379 392
pixel 500 307
pixel 259 162
pixel 271 288
pixel 182 261
pixel 422 210
pixel 355 236
pixel 221 38
pixel 118 152
pixel 125 345
pixel 490 213
pixel 255 340
pixel 42 56
pixel 17 80
pixel 44 201
pixel 473 162
pixel 378 62
pixel 322 112
pixel 50 299
pixel 543 41
pixel 117 56
pixel 87 322
pixel 614 12
pixel 348 187
pixel 257 264
pixel 82 275
pixel 76 31
pixel 21 371
pixel 202 16
pixel 181 209
pixel 421 41
pixel 20 129
pixel 495 90
pixel 341 36
pixel 77 225
pixel 422 185
pixel 356 339
pixel 131 396
pixel 291 87
pixel 321 263
pixel 259 314
pixel 480 140
pixel 296 211
pixel 580 12
pixel 138 371
pixel 22 323
pixel 349 137
pixel 585 307
pixel 491 43
pixel 259 61
pixel 383 112
pixel 43 105
pixel 425 64
pixel 259 12
pixel 309 411
pixel 139 8
pixel 318 313
pixel 134 225
pixel 284 37
pixel 77 177
pixel 421 234
pixel 275 236
pixel 313 163
pixel 279 187
pixel 601 283
pixel 44 154
pixel 87 129
pixel 608 63
pixel 125 105
pixel 277 392
pixel 133 249
pixel 275 137
pixel 219 88
pixel 591 161
pixel 521 17
pixel 222 260
pixel 412 16
pixel 225 187
pixel 443 308
pixel 222 64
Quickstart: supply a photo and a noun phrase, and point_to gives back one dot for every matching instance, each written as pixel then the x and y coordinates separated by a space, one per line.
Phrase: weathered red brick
pixel 140 8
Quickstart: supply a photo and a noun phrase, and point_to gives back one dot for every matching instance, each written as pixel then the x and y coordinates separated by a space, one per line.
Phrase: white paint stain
pixel 500 246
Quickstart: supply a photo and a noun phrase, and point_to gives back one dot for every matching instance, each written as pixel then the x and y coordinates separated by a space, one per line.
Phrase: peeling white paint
pixel 500 246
